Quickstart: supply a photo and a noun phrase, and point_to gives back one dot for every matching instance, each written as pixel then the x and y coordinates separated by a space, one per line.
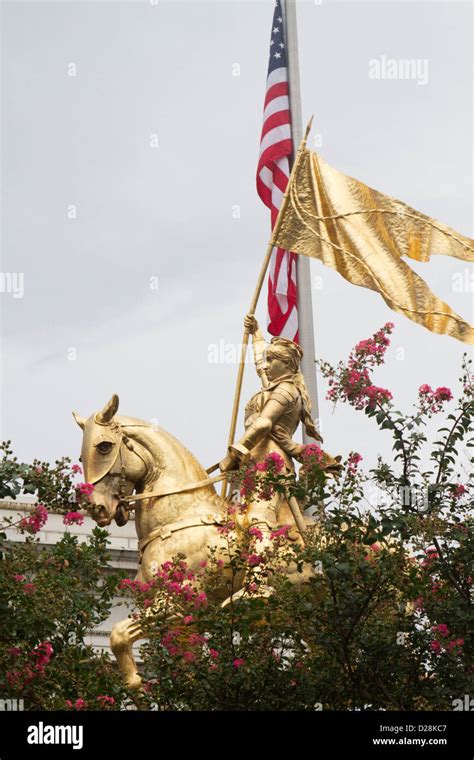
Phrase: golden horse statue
pixel 177 509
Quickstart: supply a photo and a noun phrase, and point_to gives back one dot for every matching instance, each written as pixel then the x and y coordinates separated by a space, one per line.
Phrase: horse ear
pixel 109 410
pixel 81 421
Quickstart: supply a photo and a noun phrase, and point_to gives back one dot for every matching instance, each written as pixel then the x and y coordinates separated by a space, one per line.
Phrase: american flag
pixel 276 149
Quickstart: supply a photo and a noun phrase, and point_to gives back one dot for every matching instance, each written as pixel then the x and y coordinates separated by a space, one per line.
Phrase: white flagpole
pixel 303 271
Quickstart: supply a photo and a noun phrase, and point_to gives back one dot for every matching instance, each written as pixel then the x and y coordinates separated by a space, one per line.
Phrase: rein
pixel 127 501
pixel 155 494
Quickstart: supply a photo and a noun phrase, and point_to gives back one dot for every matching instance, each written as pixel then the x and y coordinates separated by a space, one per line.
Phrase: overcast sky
pixel 89 322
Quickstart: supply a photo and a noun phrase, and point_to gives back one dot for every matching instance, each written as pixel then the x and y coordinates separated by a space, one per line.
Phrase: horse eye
pixel 105 447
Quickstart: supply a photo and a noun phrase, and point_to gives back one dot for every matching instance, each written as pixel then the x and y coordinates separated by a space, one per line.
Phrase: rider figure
pixel 273 414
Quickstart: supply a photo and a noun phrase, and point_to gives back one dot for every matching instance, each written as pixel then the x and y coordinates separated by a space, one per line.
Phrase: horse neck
pixel 170 467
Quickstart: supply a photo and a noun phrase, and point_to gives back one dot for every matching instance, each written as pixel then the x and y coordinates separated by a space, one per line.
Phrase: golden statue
pixel 177 510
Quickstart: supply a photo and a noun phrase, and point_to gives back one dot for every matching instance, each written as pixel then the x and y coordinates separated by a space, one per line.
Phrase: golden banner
pixel 363 234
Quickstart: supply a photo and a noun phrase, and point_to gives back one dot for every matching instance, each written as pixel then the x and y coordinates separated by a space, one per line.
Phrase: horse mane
pixel 167 454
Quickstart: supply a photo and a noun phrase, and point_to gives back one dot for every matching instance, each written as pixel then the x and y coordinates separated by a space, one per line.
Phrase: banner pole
pixel 255 297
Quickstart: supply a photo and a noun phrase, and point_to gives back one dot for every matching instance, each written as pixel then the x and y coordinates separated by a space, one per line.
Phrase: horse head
pixel 109 462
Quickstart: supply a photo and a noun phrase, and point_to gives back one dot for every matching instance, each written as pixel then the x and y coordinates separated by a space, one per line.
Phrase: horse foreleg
pixel 123 635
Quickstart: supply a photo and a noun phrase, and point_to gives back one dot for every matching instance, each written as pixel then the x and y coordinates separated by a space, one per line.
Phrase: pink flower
pixel 200 600
pixel 203 563
pixel 214 654
pixel 189 656
pixel 419 603
pixel 377 395
pixel 273 461
pixel 352 383
pixel 14 651
pixel 195 639
pixel 257 533
pixel 73 518
pixel 249 483
pixel 253 559
pixel 105 700
pixel 436 647
pixel 85 489
pixel 19 578
pixel 77 470
pixel 442 628
pixel 238 662
pixel 35 521
pixel 281 532
pixel 80 704
pixel 188 619
pixel 226 528
pixel 455 644
pixel 312 455
pixel 431 401
pixel 459 491
pixel 425 390
pixel 42 653
pixel 29 588
pixel 353 461
pixel 431 555
pixel 443 394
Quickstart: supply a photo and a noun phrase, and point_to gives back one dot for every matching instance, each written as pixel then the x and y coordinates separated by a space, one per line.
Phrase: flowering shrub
pixel 380 619
pixel 50 600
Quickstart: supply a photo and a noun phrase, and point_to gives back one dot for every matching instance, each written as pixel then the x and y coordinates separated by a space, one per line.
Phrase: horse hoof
pixel 134 683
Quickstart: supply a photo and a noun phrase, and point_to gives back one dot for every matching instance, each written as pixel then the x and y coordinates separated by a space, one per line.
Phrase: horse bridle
pixel 127 503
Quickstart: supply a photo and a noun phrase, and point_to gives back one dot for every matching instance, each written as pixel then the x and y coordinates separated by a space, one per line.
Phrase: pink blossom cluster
pixel 431 401
pixel 35 521
pixel 373 349
pixel 249 482
pixel 104 699
pixel 273 462
pixel 353 383
pixel 252 560
pixel 76 469
pixel 431 556
pixel 280 535
pixel 39 658
pixel 438 645
pixel 256 533
pixel 353 461
pixel 80 704
pixel 312 455
pixel 187 647
pixel 226 528
pixel 85 489
pixel 459 490
pixel 28 588
pixel 175 578
pixel 73 518
pixel 133 585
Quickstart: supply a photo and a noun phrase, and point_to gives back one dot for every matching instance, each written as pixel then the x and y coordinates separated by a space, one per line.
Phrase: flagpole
pixel 303 269
pixel 255 297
